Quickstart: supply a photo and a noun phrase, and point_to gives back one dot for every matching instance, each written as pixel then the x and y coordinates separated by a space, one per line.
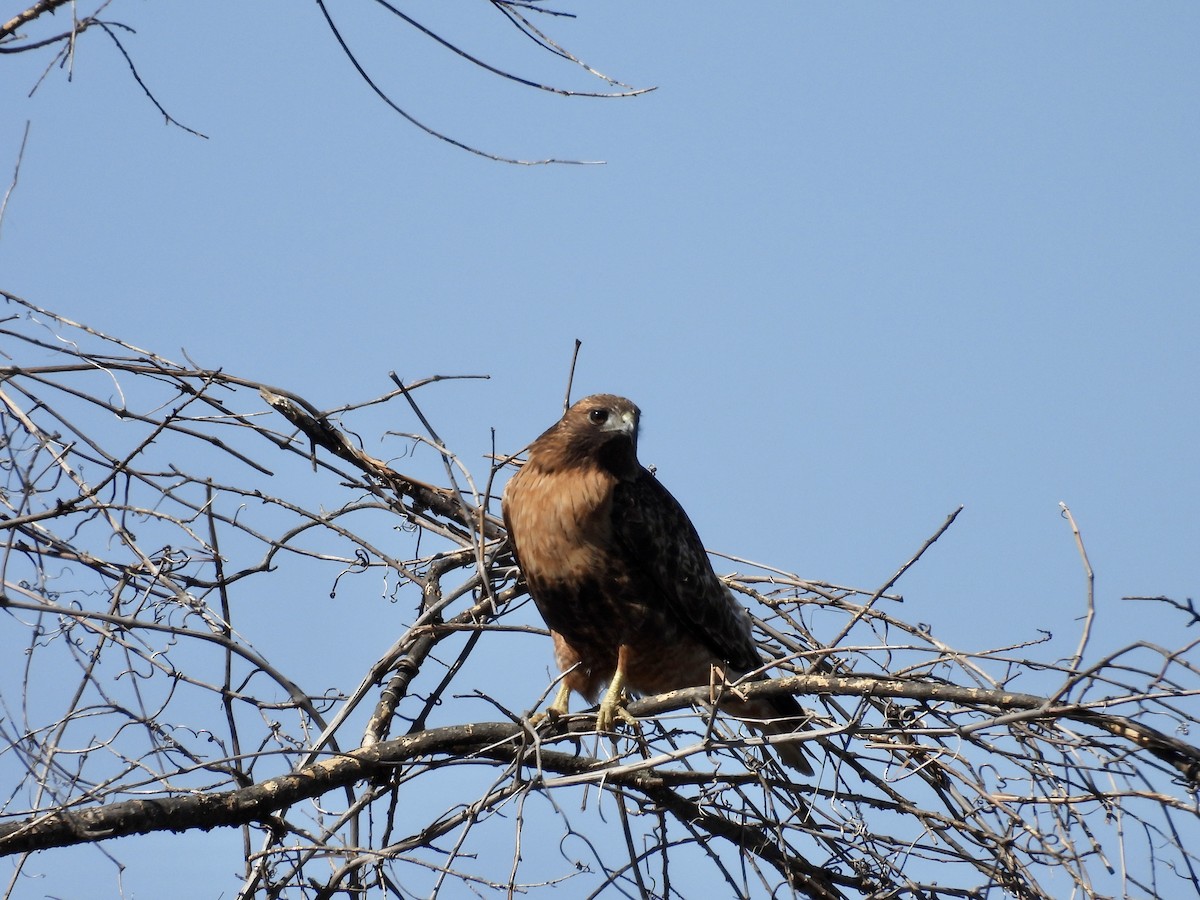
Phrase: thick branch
pixel 239 807
pixel 1183 757
pixel 322 433
pixel 500 741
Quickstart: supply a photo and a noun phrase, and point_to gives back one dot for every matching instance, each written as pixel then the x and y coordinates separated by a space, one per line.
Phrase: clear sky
pixel 858 263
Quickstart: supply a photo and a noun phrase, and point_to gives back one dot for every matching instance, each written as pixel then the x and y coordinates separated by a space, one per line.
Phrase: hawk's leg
pixel 557 709
pixel 611 707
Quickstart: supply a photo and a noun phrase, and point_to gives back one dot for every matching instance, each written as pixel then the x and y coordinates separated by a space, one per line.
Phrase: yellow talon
pixel 556 710
pixel 612 706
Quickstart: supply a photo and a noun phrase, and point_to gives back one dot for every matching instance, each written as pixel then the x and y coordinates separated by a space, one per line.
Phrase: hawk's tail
pixel 792 753
pixel 780 716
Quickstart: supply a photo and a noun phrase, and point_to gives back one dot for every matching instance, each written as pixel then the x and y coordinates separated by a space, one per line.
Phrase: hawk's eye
pixel 598 416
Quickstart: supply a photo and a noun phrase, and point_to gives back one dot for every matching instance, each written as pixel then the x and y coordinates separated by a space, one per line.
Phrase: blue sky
pixel 857 263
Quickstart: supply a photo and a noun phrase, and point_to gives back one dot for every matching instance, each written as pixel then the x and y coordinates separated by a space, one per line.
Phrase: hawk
pixel 621 577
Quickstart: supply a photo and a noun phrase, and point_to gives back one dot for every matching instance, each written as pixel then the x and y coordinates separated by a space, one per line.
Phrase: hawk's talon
pixel 556 710
pixel 612 708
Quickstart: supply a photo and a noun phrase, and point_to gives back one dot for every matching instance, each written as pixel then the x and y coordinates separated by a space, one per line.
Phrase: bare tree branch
pixel 24 17
pixel 13 40
pixel 173 537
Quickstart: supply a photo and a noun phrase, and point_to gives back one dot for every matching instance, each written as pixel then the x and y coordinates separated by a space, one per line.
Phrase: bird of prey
pixel 621 577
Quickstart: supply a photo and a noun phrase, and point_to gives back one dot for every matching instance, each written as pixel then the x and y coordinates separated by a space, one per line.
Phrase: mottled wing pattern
pixel 657 537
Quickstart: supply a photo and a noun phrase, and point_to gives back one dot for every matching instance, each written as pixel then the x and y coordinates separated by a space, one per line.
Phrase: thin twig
pixel 16 174
pixel 929 542
pixel 571 375
pixel 1090 615
pixel 412 120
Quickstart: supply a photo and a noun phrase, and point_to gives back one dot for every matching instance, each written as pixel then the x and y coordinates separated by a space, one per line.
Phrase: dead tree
pixel 151 509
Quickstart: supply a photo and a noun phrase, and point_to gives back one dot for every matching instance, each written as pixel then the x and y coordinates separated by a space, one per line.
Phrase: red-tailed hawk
pixel 619 574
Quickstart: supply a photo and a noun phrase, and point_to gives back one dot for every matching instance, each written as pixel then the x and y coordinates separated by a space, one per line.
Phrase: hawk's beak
pixel 625 423
pixel 628 423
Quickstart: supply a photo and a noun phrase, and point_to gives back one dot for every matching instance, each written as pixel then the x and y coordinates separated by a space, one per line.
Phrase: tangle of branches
pixel 190 559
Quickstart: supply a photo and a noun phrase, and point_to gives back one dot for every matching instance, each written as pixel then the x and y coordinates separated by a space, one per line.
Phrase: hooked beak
pixel 626 423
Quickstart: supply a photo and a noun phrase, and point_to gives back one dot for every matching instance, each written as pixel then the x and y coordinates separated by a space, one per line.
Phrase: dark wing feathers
pixel 657 537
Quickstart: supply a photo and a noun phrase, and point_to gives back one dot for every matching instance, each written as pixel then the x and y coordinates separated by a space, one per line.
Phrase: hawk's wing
pixel 658 539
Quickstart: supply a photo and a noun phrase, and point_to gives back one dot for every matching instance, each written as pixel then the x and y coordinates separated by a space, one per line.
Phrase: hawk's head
pixel 599 430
